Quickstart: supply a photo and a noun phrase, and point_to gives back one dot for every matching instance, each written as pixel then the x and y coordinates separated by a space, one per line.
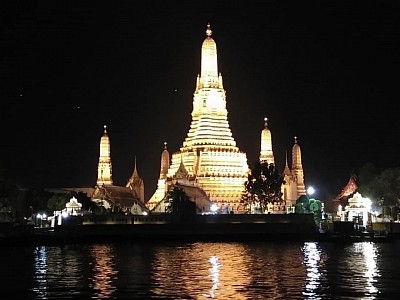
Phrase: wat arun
pixel 209 158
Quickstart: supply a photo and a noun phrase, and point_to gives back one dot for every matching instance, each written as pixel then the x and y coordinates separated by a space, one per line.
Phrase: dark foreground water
pixel 295 270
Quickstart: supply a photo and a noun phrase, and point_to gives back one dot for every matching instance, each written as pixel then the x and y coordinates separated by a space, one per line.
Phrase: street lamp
pixel 41 217
pixel 310 190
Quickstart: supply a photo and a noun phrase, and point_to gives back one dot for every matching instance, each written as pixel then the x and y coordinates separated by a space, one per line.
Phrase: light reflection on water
pixel 104 272
pixel 309 270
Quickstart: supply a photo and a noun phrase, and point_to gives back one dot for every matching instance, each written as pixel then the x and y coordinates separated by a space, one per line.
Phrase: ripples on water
pixel 270 270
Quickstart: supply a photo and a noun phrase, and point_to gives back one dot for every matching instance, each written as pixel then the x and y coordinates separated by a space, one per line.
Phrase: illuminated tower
pixel 136 184
pixel 289 188
pixel 162 186
pixel 297 168
pixel 209 152
pixel 294 177
pixel 104 169
pixel 266 153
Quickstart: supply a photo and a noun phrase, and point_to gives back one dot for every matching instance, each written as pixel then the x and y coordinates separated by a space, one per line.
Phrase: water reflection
pixel 228 271
pixel 40 274
pixel 314 261
pixel 104 272
pixel 204 271
pixel 201 270
pixel 369 252
pixel 56 267
pixel 214 275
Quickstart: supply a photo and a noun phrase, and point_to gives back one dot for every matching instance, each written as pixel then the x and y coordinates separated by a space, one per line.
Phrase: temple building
pixel 129 198
pixel 209 153
pixel 266 152
pixel 104 170
pixel 294 177
pixel 294 186
pixel 352 206
pixel 136 184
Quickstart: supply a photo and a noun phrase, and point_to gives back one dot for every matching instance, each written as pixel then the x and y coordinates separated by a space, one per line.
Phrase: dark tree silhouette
pixel 176 197
pixel 263 186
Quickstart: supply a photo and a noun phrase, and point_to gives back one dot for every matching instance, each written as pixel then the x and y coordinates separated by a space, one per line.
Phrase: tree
pixel 57 202
pixel 179 204
pixel 176 198
pixel 382 187
pixel 263 186
pixel 302 204
pixel 87 203
pixel 369 183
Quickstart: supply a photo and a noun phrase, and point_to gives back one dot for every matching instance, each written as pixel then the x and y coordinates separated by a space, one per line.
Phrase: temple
pixel 208 167
pixel 209 153
pixel 293 186
pixel 126 199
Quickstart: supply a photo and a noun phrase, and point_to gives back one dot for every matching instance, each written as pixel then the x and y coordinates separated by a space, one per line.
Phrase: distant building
pixel 352 206
pixel 127 199
pixel 294 186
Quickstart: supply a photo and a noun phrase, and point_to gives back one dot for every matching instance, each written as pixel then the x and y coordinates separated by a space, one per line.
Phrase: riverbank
pixel 231 232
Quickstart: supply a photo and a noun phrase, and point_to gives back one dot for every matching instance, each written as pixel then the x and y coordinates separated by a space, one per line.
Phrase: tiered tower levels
pixel 209 151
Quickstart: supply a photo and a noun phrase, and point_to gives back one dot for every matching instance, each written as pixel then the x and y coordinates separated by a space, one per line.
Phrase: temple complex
pixel 209 153
pixel 208 167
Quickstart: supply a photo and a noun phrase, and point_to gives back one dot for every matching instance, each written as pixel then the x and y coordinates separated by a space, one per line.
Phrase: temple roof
pixel 193 191
pixel 118 195
pixel 350 188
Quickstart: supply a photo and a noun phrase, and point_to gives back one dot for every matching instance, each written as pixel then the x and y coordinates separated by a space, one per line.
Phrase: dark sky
pixel 325 72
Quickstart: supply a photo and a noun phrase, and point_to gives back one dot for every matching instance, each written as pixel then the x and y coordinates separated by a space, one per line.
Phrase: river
pixel 162 270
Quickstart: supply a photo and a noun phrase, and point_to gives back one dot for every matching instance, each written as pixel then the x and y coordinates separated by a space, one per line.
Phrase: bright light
pixel 368 204
pixel 144 213
pixel 214 207
pixel 65 214
pixel 310 190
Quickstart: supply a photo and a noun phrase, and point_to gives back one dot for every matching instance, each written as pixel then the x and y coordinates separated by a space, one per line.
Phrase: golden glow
pixel 266 153
pixel 104 271
pixel 220 267
pixel 209 63
pixel 209 151
pixel 104 169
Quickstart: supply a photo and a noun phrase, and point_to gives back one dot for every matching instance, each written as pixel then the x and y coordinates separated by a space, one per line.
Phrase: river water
pixel 253 270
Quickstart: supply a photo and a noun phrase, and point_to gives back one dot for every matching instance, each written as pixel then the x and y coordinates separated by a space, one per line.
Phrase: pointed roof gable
pixel 349 190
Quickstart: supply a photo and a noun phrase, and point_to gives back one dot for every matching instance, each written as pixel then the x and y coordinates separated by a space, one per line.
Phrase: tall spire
pixel 296 155
pixel 165 161
pixel 266 153
pixel 104 169
pixel 162 185
pixel 135 172
pixel 297 168
pixel 209 152
pixel 286 170
pixel 209 116
pixel 209 61
pixel 136 184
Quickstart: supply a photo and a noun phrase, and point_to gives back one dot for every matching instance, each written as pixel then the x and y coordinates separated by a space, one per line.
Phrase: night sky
pixel 325 73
